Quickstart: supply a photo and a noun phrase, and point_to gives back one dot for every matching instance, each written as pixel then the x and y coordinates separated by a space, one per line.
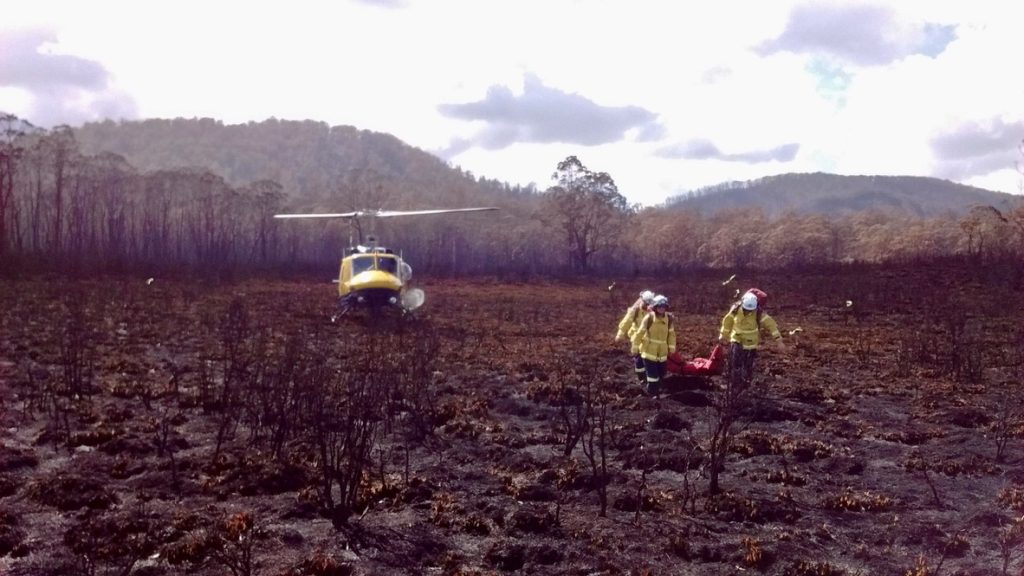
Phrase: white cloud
pixel 865 34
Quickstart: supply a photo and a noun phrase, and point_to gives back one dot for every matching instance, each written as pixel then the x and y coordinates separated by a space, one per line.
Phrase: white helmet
pixel 647 296
pixel 749 301
pixel 659 300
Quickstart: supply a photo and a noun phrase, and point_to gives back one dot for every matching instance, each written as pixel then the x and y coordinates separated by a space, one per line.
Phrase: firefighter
pixel 655 339
pixel 627 326
pixel 741 330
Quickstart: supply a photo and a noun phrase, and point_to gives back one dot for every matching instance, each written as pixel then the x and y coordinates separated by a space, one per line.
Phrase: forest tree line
pixel 64 209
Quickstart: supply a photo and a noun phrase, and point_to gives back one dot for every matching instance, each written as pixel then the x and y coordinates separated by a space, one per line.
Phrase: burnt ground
pixel 180 426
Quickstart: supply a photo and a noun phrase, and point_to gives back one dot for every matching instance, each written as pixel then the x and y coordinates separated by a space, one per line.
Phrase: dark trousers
pixel 741 365
pixel 638 368
pixel 654 371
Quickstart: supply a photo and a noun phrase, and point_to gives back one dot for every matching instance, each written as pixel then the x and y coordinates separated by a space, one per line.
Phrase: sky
pixel 665 96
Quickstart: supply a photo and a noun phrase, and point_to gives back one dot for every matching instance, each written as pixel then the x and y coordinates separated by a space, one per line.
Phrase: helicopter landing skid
pixel 343 310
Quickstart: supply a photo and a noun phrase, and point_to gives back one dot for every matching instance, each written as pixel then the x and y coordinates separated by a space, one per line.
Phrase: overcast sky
pixel 665 96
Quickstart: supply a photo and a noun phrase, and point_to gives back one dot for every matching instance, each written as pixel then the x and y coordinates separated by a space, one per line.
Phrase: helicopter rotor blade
pixel 392 213
pixel 383 213
pixel 338 215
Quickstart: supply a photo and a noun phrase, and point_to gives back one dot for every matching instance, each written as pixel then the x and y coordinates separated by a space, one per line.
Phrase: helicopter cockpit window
pixel 361 264
pixel 389 265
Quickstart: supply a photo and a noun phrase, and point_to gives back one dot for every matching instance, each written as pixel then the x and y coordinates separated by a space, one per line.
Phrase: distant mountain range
pixel 310 158
pixel 832 194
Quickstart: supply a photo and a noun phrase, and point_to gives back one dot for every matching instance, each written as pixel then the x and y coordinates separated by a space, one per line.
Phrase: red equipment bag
pixel 762 297
pixel 711 366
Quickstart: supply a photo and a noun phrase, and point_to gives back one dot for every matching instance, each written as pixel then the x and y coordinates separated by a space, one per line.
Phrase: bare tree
pixel 727 404
pixel 596 439
pixel 268 199
pixel 60 150
pixel 116 190
pixel 10 154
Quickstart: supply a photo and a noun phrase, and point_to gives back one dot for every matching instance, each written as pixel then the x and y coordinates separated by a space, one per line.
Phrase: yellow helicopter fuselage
pixel 371 278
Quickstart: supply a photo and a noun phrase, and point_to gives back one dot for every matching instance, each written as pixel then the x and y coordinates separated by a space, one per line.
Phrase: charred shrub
pixel 755 555
pixel 446 511
pixel 850 501
pixel 324 564
pixel 969 417
pixel 7 486
pixel 531 520
pixel 807 450
pixel 15 458
pixel 627 502
pixel 668 421
pixel 459 415
pixel 757 443
pixel 784 477
pixel 545 555
pixel 811 568
pixel 117 541
pixel 252 476
pixel 417 379
pixel 731 507
pixel 477 525
pixel 77 342
pixel 956 546
pixel 534 492
pixel 807 393
pixel 679 546
pixel 963 344
pixel 1008 423
pixel 230 543
pixel 1012 497
pixel 94 437
pixel 11 536
pixel 190 552
pixel 506 556
pixel 70 492
pixel 343 413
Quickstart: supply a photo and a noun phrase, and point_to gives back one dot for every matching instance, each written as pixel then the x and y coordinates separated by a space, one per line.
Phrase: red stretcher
pixel 711 366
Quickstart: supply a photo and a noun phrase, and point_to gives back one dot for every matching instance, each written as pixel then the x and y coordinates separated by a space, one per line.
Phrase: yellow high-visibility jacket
pixel 629 322
pixel 740 326
pixel 655 337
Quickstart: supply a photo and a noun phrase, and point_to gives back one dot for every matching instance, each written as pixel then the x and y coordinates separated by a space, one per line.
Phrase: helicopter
pixel 371 276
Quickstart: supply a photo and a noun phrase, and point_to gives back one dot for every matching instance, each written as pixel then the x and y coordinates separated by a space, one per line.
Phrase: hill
pixel 832 194
pixel 314 161
pixel 311 160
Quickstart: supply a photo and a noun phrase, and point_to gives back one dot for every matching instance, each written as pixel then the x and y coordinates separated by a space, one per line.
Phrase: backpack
pixel 637 309
pixel 646 325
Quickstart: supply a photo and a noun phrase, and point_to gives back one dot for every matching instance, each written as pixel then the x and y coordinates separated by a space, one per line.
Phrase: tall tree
pixel 61 152
pixel 588 208
pixel 11 129
pixel 268 198
pixel 983 229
